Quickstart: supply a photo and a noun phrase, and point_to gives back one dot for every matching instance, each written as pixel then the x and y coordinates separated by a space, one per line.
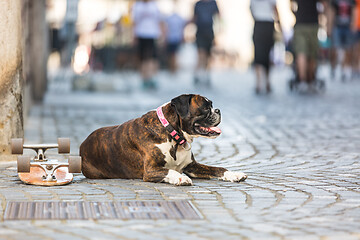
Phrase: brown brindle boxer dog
pixel 156 147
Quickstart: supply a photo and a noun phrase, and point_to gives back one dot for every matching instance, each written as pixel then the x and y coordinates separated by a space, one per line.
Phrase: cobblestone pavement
pixel 301 153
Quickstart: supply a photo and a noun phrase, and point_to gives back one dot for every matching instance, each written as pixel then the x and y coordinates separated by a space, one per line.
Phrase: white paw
pixel 177 179
pixel 234 176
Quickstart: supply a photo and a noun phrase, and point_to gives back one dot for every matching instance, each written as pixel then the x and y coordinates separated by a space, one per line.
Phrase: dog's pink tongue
pixel 216 129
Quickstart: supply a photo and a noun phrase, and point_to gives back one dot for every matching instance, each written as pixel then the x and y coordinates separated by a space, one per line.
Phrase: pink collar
pixel 178 137
pixel 161 117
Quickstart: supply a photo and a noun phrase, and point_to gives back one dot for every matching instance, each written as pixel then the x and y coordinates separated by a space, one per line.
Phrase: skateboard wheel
pixel 17 146
pixel 74 164
pixel 64 145
pixel 23 164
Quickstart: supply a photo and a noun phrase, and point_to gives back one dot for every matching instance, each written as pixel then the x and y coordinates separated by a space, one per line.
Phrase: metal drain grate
pixel 82 210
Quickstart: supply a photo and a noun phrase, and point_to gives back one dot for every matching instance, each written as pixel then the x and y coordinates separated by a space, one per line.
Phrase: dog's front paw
pixel 183 181
pixel 234 176
pixel 177 179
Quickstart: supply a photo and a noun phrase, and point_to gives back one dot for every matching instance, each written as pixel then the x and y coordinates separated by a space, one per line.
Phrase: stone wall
pixel 11 80
pixel 36 47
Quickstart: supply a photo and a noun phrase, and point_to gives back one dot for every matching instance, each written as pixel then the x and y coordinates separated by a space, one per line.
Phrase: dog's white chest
pixel 183 157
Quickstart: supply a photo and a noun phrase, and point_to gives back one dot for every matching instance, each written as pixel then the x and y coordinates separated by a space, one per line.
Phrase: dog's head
pixel 197 115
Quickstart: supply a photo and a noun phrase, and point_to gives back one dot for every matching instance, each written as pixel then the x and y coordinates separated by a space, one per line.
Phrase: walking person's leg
pixel 148 62
pixel 204 45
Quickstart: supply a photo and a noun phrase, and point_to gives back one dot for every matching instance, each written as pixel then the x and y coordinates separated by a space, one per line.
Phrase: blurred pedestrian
pixel 264 13
pixel 340 21
pixel 356 28
pixel 204 13
pixel 174 37
pixel 305 42
pixel 148 28
pixel 68 34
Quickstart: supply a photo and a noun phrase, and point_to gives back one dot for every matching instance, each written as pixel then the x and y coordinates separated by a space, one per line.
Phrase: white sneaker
pixel 303 87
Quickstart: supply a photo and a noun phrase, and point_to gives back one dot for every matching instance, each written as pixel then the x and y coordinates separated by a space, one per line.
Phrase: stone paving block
pixel 150 197
pixel 84 232
pixel 70 197
pixel 124 197
pixel 91 198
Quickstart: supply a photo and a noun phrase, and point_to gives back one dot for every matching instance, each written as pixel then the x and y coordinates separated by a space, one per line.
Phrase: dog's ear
pixel 182 104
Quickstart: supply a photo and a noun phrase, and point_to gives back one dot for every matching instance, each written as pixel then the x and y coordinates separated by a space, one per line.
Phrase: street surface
pixel 301 154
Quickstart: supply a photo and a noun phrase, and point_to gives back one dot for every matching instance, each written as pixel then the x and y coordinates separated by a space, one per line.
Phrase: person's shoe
pixel 149 84
pixel 152 84
pixel 312 87
pixel 268 89
pixel 303 87
pixel 208 82
pixel 343 77
pixel 356 75
pixel 196 81
pixel 332 74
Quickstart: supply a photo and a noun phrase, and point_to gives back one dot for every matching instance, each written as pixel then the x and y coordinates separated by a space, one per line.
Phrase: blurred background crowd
pixel 147 35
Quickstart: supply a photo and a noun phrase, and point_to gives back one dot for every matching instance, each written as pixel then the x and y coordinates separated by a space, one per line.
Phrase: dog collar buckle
pixel 178 137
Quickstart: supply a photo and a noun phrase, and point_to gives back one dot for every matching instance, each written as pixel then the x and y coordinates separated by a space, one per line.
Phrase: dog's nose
pixel 217 111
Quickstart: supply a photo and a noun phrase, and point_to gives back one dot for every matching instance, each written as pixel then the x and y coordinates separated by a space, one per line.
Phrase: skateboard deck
pixel 35 176
pixel 42 171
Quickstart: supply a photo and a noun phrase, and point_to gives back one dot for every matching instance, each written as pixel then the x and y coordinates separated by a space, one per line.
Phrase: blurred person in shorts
pixel 204 13
pixel 356 30
pixel 305 41
pixel 148 28
pixel 340 20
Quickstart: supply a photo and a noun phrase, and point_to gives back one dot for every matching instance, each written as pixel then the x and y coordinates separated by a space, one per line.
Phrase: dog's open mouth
pixel 207 131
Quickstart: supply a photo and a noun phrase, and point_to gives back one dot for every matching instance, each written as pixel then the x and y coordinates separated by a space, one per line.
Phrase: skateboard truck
pixel 49 168
pixel 52 171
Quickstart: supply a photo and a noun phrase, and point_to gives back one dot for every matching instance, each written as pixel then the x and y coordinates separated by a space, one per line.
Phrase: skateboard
pixel 43 171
